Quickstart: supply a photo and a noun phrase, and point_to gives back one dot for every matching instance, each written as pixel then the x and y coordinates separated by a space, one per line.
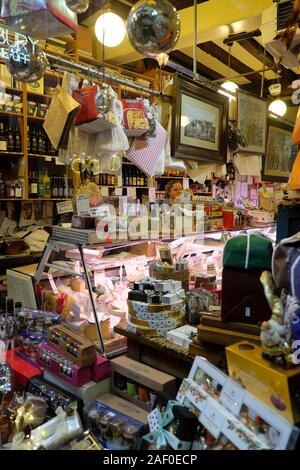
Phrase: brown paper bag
pixel 60 118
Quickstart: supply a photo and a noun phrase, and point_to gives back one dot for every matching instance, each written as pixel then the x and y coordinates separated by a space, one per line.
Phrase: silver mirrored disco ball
pixel 78 6
pixel 26 62
pixel 104 98
pixel 153 27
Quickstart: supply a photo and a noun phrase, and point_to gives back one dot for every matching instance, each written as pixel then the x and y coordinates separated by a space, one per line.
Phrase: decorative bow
pixel 162 437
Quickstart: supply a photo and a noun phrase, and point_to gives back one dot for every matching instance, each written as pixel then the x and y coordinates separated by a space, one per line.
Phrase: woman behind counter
pixel 173 189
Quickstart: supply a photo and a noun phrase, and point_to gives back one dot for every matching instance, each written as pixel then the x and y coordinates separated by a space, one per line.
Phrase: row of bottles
pixel 10 188
pixel 10 137
pixel 38 142
pixel 41 185
pixel 105 179
pixel 132 176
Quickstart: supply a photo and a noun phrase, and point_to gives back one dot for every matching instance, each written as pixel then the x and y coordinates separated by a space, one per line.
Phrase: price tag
pixel 152 195
pixel 58 161
pixel 77 266
pixel 232 397
pixel 119 191
pixel 64 207
pixel 212 419
pixel 104 191
pixel 186 183
pixel 83 204
pixel 52 284
pixel 48 158
pixel 2 352
pixel 131 192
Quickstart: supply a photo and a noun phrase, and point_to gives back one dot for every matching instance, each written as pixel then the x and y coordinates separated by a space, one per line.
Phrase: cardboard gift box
pixel 243 298
pixel 276 387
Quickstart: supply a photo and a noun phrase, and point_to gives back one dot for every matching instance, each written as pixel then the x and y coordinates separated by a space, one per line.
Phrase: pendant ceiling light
pixel 229 85
pixel 110 28
pixel 278 108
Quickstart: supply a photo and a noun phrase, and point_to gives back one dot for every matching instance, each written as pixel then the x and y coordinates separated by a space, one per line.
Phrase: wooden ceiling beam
pixel 257 50
pixel 222 56
pixel 187 61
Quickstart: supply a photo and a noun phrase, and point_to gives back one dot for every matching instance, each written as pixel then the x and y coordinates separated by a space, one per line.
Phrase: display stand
pixel 55 245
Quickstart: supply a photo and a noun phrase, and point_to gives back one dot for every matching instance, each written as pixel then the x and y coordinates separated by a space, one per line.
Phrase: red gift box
pixel 23 370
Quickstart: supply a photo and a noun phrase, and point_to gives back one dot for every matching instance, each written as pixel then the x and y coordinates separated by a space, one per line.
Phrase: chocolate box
pixel 276 387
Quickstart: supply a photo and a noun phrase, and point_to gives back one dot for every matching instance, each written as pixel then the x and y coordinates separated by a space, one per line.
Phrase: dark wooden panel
pixel 187 61
pixel 218 53
pixel 257 50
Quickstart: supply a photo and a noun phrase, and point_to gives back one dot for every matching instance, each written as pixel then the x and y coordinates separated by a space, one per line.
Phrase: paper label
pixel 152 194
pixel 232 397
pixel 212 419
pixel 119 191
pixel 186 183
pixel 77 267
pixel 64 207
pixel 2 352
pixel 83 205
pixel 131 192
pixel 8 226
pixel 104 191
pixel 48 158
pixel 52 284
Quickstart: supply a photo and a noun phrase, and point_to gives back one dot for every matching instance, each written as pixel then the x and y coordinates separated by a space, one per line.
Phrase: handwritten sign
pixel 64 207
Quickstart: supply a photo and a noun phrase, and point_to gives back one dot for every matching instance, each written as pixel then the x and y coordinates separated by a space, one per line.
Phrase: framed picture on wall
pixel 199 123
pixel 252 121
pixel 279 151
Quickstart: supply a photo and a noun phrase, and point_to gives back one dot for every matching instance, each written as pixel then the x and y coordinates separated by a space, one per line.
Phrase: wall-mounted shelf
pixel 11 154
pixel 8 113
pixel 35 118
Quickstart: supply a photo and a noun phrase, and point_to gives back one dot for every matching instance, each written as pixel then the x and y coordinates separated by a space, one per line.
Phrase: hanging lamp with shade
pixel 229 85
pixel 277 107
pixel 110 28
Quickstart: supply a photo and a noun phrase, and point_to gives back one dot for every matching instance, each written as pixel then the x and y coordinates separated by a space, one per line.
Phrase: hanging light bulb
pixel 278 107
pixel 110 28
pixel 162 59
pixel 231 87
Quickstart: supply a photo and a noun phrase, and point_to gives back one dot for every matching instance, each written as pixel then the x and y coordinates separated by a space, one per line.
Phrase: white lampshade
pixel 278 107
pixel 114 29
pixel 231 87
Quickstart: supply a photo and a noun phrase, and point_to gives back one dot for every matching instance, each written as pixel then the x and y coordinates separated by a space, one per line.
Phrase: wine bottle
pixel 3 139
pixel 17 140
pixel 2 187
pixel 10 139
pixel 134 178
pixel 18 190
pixel 33 186
pixel 47 184
pixel 41 185
pixel 34 142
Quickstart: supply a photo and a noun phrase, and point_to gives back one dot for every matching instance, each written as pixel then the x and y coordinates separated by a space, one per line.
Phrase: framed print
pixel 279 151
pixel 199 123
pixel 252 121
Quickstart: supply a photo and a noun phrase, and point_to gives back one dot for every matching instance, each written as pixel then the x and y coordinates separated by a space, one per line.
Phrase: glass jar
pixel 18 104
pixel 32 108
pixel 130 433
pixel 42 110
pixel 117 426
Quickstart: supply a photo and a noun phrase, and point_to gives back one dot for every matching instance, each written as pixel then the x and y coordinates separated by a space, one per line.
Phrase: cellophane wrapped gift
pixel 40 18
pixel 52 435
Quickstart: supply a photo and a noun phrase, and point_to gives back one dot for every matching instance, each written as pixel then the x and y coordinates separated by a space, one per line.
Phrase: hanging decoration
pixel 153 27
pixel 104 98
pixel 78 6
pixel 26 61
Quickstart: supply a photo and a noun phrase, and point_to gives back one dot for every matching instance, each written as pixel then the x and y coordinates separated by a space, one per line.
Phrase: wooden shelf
pixel 37 155
pixel 39 95
pixel 7 113
pixel 49 199
pixel 12 154
pixel 12 90
pixel 12 199
pixel 171 177
pixel 35 118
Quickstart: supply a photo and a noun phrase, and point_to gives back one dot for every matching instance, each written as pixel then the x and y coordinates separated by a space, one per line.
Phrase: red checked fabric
pixel 146 151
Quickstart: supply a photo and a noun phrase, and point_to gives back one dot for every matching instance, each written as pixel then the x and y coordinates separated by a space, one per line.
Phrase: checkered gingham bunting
pixel 146 151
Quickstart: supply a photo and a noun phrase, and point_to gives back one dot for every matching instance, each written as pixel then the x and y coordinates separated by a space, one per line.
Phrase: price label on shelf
pixel 212 419
pixel 119 191
pixel 104 191
pixel 152 194
pixel 232 397
pixel 52 284
pixel 131 192
pixel 48 158
pixel 186 183
pixel 64 207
